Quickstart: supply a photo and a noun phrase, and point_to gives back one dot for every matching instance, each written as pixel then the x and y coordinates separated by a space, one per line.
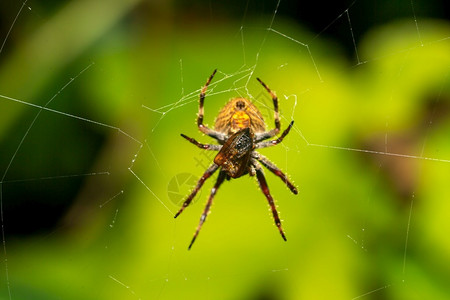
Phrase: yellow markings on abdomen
pixel 240 120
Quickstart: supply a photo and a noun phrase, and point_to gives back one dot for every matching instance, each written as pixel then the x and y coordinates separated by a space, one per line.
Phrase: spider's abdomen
pixel 237 114
pixel 240 120
pixel 234 155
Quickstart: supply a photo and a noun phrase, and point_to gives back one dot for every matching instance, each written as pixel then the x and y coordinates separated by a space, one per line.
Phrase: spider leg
pixel 265 189
pixel 277 141
pixel 273 132
pixel 275 170
pixel 200 182
pixel 202 146
pixel 220 179
pixel 203 128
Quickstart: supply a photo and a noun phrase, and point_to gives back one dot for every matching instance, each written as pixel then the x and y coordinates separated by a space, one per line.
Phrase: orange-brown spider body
pixel 240 130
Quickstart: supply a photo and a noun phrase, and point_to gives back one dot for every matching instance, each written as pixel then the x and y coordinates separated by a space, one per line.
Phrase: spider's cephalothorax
pixel 237 114
pixel 239 130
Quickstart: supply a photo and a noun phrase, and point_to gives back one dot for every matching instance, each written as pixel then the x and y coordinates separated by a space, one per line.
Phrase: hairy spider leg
pixel 275 170
pixel 277 141
pixel 202 100
pixel 202 146
pixel 200 182
pixel 220 179
pixel 265 189
pixel 274 131
pixel 203 128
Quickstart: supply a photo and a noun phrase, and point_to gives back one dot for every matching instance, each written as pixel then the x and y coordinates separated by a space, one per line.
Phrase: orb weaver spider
pixel 239 129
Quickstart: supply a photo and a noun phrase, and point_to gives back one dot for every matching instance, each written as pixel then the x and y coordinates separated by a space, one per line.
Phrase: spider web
pixel 119 219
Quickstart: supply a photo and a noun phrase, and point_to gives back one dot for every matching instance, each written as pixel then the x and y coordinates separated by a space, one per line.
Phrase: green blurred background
pixel 94 96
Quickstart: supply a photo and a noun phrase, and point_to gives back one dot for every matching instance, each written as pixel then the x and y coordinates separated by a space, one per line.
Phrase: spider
pixel 240 130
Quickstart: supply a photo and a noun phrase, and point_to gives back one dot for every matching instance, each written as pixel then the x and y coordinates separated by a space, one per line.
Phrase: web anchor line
pixel 12 25
pixel 71 116
pixel 304 45
pixel 381 153
pixel 150 190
